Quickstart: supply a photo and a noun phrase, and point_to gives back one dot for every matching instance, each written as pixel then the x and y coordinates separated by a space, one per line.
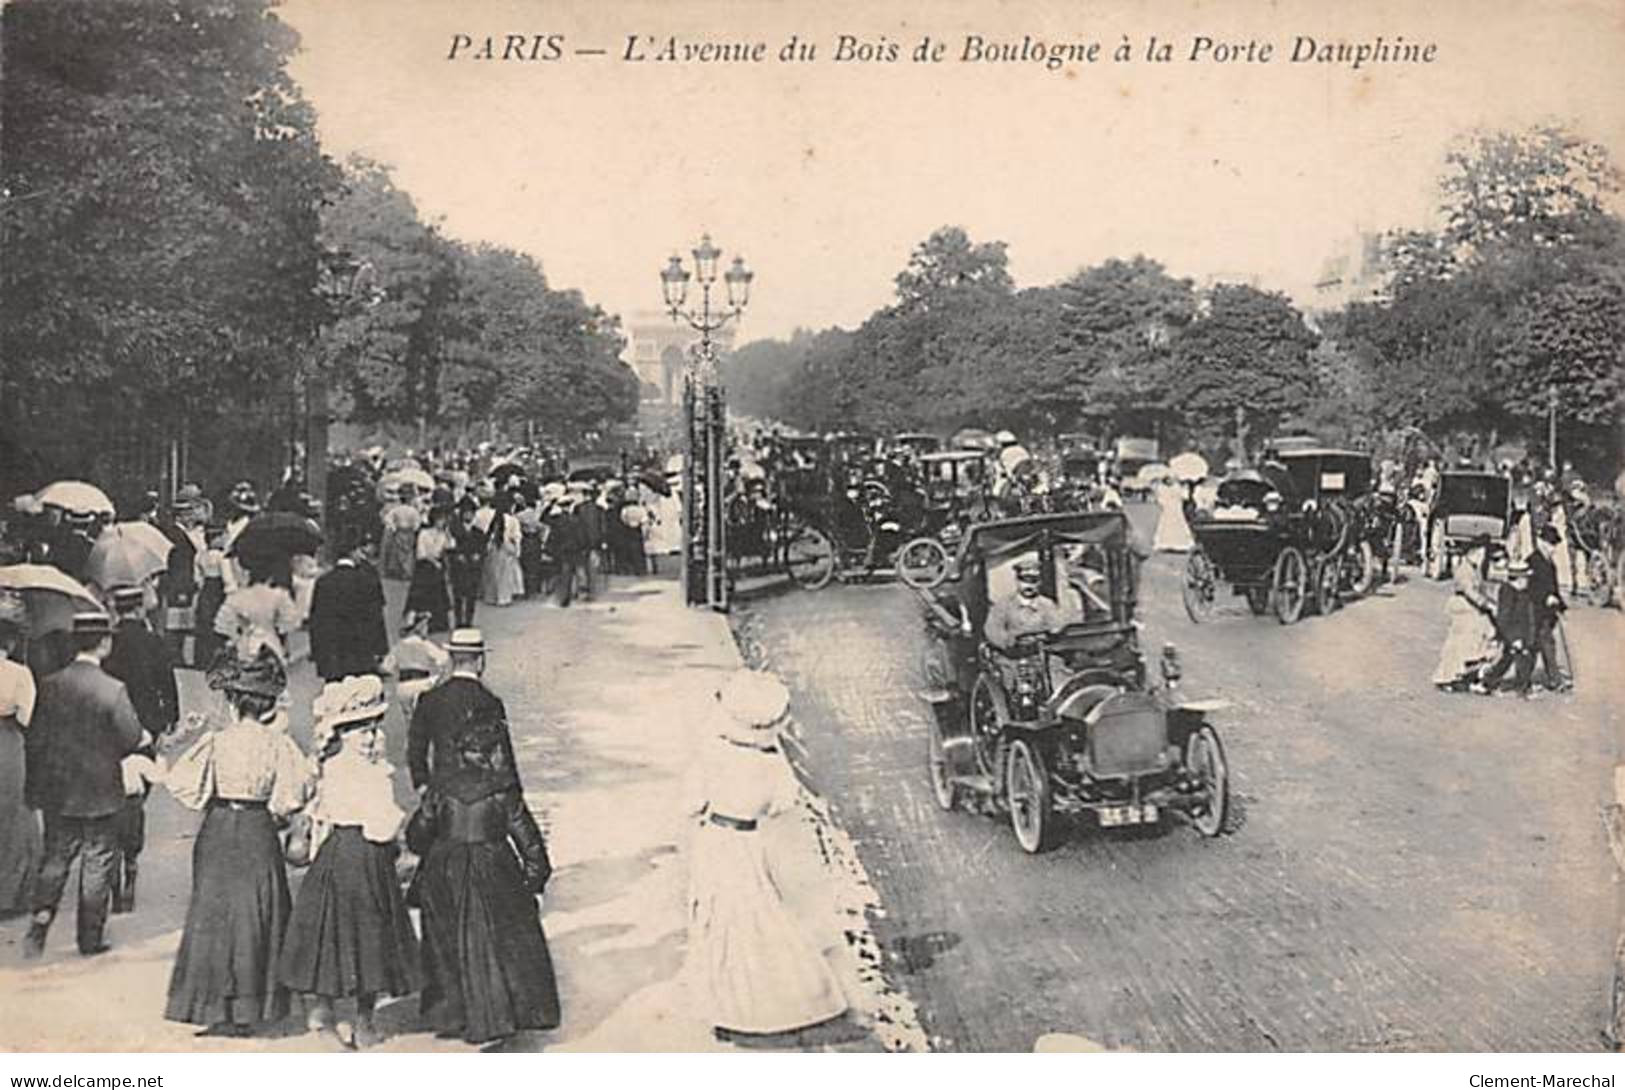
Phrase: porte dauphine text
pixel 1029 50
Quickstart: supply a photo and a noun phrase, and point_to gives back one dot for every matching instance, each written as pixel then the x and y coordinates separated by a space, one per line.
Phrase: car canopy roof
pixel 1004 537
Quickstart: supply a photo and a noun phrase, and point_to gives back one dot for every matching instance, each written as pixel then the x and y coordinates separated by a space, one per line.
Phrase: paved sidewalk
pixel 602 699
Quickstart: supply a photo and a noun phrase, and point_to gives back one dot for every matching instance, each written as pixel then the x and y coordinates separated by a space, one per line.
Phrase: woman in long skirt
pixel 350 937
pixel 1470 645
pixel 503 581
pixel 428 593
pixel 1173 534
pixel 755 969
pixel 19 828
pixel 244 776
pixel 487 970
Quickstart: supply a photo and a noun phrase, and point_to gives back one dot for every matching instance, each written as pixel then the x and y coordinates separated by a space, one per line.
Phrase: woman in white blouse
pixel 244 776
pixel 19 828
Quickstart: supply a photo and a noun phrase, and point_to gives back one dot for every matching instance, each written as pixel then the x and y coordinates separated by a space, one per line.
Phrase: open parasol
pixel 1189 466
pixel 50 597
pixel 127 554
pixel 417 478
pixel 79 497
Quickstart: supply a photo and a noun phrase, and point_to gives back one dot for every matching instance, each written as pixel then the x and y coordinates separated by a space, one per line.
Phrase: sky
pixel 825 174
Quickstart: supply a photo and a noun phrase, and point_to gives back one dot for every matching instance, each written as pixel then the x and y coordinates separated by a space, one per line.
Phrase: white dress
pixel 1172 535
pixel 754 969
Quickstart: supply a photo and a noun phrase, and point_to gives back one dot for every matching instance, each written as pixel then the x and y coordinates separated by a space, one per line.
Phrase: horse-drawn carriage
pixel 1466 506
pixel 851 525
pixel 1064 722
pixel 1285 534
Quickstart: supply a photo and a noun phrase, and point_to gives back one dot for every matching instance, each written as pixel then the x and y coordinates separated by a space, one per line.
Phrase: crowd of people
pixel 429 890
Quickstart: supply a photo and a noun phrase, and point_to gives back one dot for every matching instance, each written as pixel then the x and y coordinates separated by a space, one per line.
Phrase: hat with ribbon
pixel 466 641
pixel 128 599
pixel 92 623
pixel 352 702
pixel 752 702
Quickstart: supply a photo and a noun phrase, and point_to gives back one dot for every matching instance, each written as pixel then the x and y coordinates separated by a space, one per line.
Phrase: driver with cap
pixel 1025 613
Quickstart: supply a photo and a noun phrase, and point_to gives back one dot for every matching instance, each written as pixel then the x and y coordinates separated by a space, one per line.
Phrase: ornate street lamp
pixel 705 568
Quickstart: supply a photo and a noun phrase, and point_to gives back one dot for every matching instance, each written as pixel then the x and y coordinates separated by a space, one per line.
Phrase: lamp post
pixel 705 554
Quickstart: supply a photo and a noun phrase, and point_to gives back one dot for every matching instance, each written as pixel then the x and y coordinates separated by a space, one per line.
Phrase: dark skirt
pixel 350 934
pixel 427 594
pixel 226 968
pixel 205 643
pixel 487 970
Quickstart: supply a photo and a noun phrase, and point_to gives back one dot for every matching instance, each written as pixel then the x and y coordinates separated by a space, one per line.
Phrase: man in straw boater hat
pixel 84 726
pixel 458 704
pixel 140 659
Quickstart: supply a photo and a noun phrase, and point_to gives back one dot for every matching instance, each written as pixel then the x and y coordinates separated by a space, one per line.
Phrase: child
pixel 349 936
pixel 418 662
pixel 1515 625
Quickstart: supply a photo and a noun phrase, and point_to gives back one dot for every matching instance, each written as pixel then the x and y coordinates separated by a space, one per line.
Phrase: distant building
pixel 658 349
pixel 1355 273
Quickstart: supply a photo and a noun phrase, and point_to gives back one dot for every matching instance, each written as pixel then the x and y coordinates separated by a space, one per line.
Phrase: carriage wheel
pixel 1291 585
pixel 1027 790
pixel 1599 580
pixel 922 563
pixel 1200 586
pixel 1258 599
pixel 1327 576
pixel 811 558
pixel 942 784
pixel 1204 758
pixel 1370 573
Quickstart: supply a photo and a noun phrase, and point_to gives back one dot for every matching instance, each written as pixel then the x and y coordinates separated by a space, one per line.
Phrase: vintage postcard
pixel 719 526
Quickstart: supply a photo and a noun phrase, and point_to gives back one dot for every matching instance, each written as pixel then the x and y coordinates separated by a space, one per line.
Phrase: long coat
pixel 140 659
pixel 84 725
pixel 442 715
pixel 347 632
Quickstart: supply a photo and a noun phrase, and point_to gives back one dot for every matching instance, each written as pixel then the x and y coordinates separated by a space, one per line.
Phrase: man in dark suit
pixel 449 710
pixel 1549 604
pixel 141 660
pixel 465 562
pixel 347 631
pixel 178 585
pixel 84 726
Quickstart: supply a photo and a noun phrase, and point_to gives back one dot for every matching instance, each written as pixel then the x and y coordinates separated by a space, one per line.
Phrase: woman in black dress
pixel 487 971
pixel 243 775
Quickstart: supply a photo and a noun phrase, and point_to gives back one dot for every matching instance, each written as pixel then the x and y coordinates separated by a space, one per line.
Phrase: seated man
pixel 1024 613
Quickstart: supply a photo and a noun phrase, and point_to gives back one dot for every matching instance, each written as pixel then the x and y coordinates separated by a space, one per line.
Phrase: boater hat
pixel 92 623
pixel 128 598
pixel 468 641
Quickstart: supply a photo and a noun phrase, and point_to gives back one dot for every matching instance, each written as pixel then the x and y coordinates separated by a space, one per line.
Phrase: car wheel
pixel 1290 587
pixel 1200 586
pixel 1204 759
pixel 942 785
pixel 811 558
pixel 1027 791
pixel 922 563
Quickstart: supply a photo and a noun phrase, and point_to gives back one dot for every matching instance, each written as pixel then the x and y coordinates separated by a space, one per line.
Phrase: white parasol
pixel 1189 466
pixel 79 497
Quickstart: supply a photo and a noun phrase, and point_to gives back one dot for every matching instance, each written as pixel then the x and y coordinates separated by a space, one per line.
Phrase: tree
pixel 158 212
pixel 1540 187
pixel 948 262
pixel 1248 351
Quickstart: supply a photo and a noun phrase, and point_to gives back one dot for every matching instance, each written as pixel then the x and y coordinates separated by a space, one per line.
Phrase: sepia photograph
pixel 740 527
